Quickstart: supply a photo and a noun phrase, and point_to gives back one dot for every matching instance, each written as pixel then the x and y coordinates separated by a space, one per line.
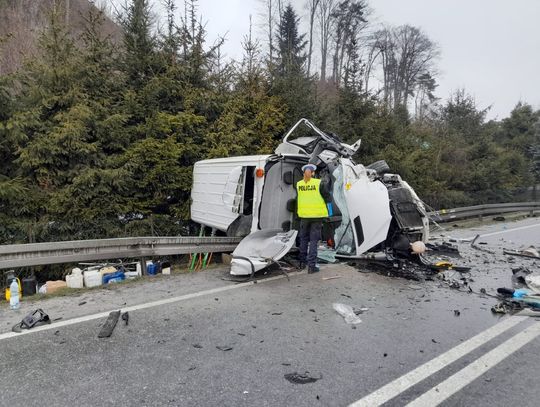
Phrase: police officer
pixel 312 209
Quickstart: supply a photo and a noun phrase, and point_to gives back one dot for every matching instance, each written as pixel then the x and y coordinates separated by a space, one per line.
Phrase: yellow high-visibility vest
pixel 310 202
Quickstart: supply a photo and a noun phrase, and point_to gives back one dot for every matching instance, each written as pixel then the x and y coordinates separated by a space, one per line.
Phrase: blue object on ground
pixel 151 269
pixel 114 277
pixel 520 293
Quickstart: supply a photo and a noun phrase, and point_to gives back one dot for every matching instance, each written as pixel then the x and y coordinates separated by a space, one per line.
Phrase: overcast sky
pixel 489 47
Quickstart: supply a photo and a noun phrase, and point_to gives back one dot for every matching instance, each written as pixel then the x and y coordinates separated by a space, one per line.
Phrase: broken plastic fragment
pixel 347 313
pixel 533 282
pixel 298 378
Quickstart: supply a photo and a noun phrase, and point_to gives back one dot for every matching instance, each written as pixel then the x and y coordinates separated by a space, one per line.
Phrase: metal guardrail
pixel 37 254
pixel 449 215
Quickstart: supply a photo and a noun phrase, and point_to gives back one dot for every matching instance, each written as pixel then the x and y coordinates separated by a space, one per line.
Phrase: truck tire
pixel 381 167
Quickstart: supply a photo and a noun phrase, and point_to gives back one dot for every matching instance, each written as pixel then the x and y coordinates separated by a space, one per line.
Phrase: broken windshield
pixel 343 235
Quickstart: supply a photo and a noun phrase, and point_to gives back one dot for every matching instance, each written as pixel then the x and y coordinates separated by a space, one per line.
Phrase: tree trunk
pixel 312 9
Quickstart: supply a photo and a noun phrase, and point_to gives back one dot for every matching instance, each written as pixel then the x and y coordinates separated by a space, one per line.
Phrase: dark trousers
pixel 310 234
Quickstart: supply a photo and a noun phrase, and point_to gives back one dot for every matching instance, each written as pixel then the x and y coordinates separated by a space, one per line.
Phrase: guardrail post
pixel 143 265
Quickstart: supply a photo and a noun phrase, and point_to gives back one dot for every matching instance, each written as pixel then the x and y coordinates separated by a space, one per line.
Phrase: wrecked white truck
pixel 255 197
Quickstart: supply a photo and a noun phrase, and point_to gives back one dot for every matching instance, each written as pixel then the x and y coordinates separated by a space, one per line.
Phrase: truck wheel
pixel 381 167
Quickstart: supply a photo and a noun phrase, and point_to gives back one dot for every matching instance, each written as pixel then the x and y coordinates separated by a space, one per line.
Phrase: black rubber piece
pixel 291 205
pixel 108 328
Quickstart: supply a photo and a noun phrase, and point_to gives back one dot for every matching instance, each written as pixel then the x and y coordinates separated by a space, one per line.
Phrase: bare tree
pixel 312 8
pixel 349 20
pixel 324 16
pixel 270 8
pixel 405 54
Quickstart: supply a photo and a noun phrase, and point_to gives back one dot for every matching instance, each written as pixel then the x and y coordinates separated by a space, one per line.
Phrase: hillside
pixel 21 21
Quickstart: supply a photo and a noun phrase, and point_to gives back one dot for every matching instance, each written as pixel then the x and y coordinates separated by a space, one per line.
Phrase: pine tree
pixel 290 81
pixel 139 59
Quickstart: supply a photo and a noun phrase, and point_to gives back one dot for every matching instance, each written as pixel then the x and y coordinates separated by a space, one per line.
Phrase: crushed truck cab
pixel 255 197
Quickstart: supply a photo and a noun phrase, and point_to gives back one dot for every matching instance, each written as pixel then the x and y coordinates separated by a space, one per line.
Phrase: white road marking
pixel 468 374
pixel 500 232
pixel 398 386
pixel 92 317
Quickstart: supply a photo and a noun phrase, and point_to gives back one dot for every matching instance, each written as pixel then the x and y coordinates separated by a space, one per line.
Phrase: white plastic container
pixel 74 280
pixel 92 278
pixel 166 271
pixel 131 274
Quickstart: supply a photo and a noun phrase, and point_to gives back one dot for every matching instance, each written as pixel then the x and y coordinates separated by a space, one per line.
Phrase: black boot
pixel 313 269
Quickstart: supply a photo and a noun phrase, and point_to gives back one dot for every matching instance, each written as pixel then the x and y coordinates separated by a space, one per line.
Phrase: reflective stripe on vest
pixel 310 202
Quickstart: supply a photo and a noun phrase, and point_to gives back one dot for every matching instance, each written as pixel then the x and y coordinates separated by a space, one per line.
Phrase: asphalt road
pixel 214 342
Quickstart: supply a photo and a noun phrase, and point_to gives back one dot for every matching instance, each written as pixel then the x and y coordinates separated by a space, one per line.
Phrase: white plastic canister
pixel 92 278
pixel 74 280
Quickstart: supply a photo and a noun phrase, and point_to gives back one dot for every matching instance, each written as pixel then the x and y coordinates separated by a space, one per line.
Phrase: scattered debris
pixel 330 278
pixel 109 325
pixel 360 310
pixel 507 306
pixel 444 248
pixel 346 312
pixel 224 348
pixel 297 378
pixel 385 355
pixel 505 292
pixel 434 341
pixel 519 274
pixel 82 303
pixel 277 313
pixel 499 218
pixel 34 319
pixel 457 313
pixel 346 295
pixel 197 346
pixel 474 246
pixel 529 252
pixel 533 282
pixel 454 284
pixel 499 308
pixel 125 317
